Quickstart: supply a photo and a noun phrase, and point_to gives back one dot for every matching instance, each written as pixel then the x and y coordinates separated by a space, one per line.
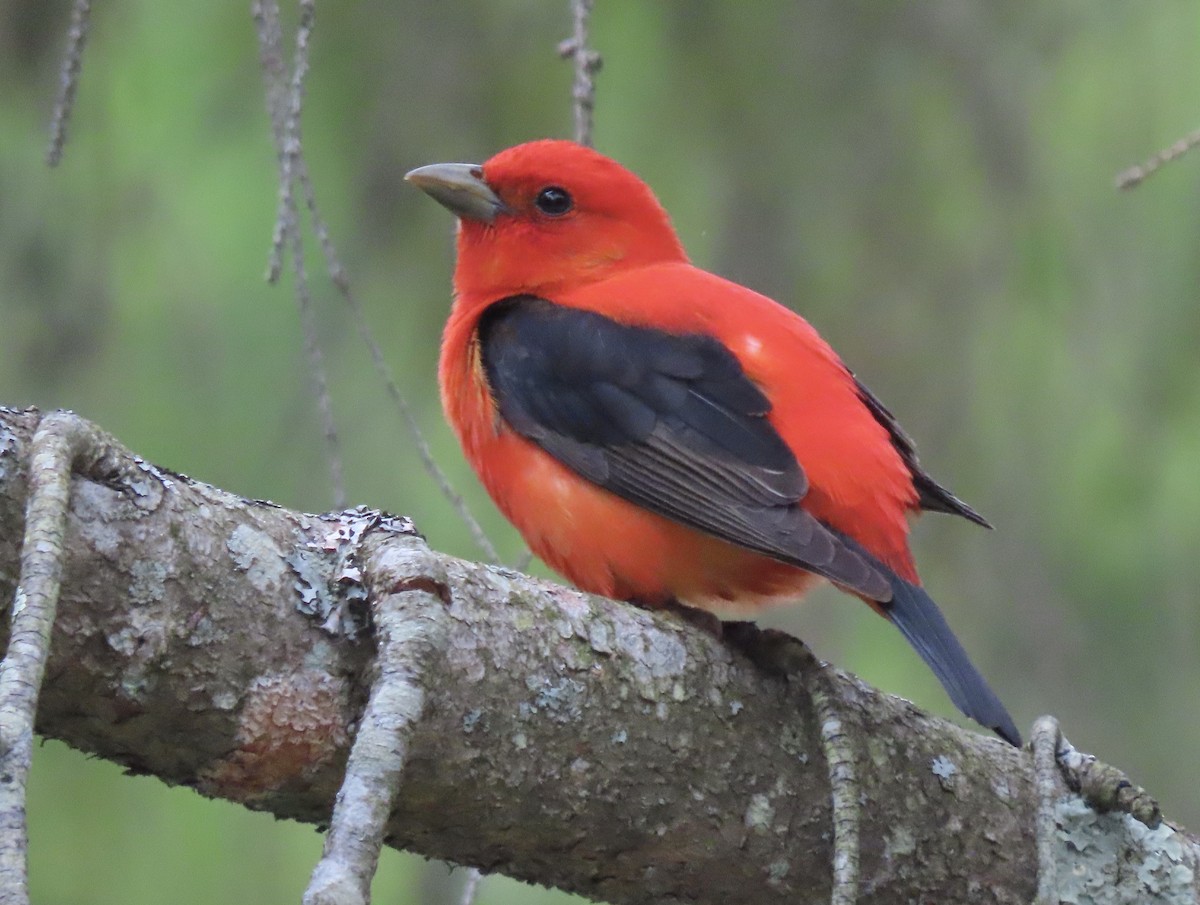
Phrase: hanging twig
pixel 317 371
pixel 285 100
pixel 587 64
pixel 337 273
pixel 68 83
pixel 291 151
pixel 1136 175
pixel 287 220
pixel 275 82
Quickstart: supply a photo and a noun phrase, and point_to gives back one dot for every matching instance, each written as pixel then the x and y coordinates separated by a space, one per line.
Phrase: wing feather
pixel 666 421
pixel 932 496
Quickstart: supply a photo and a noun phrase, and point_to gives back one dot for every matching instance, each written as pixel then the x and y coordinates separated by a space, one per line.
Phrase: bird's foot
pixel 701 619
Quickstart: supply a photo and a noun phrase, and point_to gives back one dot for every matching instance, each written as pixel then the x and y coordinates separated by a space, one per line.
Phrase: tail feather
pixel 923 625
pixel 925 628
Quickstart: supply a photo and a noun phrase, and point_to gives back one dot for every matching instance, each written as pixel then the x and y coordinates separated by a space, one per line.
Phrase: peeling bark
pixel 565 739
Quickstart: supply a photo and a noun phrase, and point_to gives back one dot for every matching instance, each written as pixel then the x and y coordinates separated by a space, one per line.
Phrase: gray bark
pixel 565 739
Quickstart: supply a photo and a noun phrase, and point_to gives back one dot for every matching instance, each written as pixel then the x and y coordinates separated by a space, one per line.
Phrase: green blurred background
pixel 931 184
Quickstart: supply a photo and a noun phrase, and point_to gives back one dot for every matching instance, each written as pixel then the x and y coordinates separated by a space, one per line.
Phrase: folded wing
pixel 669 422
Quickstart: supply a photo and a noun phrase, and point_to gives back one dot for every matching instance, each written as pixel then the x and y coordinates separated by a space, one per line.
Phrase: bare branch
pixel 1136 175
pixel 337 274
pixel 284 109
pixel 285 102
pixel 275 82
pixel 68 83
pixel 587 64
pixel 290 148
pixel 316 365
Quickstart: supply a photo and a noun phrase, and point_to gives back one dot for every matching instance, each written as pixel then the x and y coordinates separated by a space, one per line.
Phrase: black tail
pixel 922 623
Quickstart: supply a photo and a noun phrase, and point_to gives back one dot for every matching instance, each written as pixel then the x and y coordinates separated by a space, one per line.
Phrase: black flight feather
pixel 669 422
pixel 932 496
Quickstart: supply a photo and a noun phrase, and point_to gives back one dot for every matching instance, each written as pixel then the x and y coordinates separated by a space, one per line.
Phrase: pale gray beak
pixel 460 188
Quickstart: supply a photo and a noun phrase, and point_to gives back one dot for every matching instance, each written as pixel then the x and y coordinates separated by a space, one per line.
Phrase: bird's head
pixel 547 214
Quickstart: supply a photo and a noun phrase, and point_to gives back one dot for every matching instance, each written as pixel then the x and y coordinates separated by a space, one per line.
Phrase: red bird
pixel 657 433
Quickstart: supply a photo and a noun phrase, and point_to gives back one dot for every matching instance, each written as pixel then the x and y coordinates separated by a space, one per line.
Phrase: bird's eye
pixel 553 201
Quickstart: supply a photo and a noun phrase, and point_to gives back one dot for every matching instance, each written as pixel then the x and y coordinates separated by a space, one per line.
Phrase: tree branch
pixel 564 739
pixel 587 64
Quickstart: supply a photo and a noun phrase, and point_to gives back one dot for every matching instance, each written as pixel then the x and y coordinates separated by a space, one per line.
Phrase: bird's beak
pixel 460 188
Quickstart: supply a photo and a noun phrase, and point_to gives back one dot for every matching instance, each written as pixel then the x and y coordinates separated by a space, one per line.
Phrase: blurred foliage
pixel 929 183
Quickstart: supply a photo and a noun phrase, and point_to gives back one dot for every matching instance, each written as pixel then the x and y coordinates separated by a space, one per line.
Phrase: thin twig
pixel 270 56
pixel 1136 175
pixel 266 18
pixel 317 371
pixel 337 273
pixel 290 147
pixel 289 153
pixel 284 106
pixel 275 82
pixel 587 64
pixel 68 83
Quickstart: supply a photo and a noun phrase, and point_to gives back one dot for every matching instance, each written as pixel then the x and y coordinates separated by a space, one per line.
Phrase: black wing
pixel 669 422
pixel 932 495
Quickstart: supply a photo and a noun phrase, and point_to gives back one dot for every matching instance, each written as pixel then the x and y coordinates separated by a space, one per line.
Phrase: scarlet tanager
pixel 659 434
